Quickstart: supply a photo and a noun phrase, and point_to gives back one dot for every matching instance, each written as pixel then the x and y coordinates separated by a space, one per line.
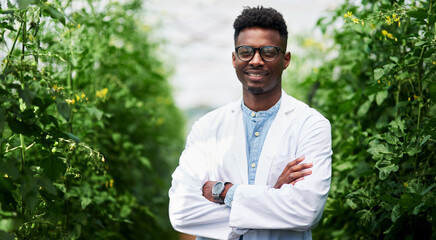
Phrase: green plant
pixel 379 92
pixel 89 131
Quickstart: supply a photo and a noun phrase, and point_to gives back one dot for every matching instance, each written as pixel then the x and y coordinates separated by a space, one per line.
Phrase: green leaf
pixel 84 202
pixel 378 73
pixel 9 224
pixel 380 97
pixel 385 167
pixel 363 109
pixel 394 59
pixel 428 189
pixel 419 14
pixel 27 96
pixel 125 211
pixel 417 44
pixel 73 137
pixel 97 113
pixel 7 26
pixel 54 13
pixel 53 167
pixel 395 214
pixel 64 109
pixel 388 67
pixel 24 3
pixel 379 148
pixel 366 218
pixel 145 162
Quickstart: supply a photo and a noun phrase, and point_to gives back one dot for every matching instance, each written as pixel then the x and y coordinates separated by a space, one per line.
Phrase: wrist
pixel 227 186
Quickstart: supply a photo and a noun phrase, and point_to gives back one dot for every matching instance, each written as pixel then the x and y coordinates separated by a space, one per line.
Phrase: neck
pixel 261 102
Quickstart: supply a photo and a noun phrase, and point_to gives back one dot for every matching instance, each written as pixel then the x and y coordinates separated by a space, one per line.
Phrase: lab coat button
pixel 256 134
pixel 253 165
pixel 253 114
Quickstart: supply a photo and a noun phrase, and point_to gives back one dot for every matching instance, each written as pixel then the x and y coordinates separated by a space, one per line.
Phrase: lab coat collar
pixel 273 138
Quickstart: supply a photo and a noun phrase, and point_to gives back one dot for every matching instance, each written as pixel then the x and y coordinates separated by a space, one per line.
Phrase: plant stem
pixel 23 160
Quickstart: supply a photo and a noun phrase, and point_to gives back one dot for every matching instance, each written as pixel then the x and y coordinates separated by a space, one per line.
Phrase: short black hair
pixel 261 17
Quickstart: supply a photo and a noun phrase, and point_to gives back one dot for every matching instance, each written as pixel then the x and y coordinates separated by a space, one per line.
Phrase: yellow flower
pixel 348 14
pixel 82 96
pixel 363 24
pixel 77 97
pixel 388 20
pixel 57 88
pixel 102 93
pixel 415 97
pixel 355 20
pixel 70 101
pixel 111 184
pixel 386 34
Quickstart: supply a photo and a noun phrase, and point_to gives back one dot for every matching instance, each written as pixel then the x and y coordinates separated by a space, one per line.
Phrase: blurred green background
pixel 90 132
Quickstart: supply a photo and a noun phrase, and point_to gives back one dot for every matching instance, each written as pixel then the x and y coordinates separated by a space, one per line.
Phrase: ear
pixel 287 60
pixel 234 59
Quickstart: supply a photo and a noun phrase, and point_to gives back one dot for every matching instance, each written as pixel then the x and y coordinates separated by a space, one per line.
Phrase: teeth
pixel 255 75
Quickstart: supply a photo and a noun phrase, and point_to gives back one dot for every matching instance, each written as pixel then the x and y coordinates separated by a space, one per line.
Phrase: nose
pixel 257 59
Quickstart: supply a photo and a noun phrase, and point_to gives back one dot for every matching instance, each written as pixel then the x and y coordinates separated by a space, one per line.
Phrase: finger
pixel 287 171
pixel 297 180
pixel 301 167
pixel 295 162
pixel 296 175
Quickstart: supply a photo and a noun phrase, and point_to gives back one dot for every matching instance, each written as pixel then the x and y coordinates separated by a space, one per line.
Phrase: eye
pixel 245 52
pixel 269 52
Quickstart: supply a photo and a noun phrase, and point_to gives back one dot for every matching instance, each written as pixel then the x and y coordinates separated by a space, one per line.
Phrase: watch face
pixel 217 187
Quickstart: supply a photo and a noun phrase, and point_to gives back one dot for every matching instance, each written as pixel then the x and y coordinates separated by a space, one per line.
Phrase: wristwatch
pixel 217 189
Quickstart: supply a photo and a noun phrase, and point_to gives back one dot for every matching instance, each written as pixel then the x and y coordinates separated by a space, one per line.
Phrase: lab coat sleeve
pixel 298 207
pixel 189 211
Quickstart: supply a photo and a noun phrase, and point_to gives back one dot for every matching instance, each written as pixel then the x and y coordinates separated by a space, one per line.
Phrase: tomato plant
pixel 89 130
pixel 378 91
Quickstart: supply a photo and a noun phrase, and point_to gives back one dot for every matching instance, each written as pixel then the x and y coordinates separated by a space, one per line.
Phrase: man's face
pixel 259 76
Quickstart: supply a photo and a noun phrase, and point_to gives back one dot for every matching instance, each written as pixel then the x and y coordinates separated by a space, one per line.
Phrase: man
pixel 237 177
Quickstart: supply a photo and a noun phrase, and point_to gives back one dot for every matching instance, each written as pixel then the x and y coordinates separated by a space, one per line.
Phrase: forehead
pixel 258 37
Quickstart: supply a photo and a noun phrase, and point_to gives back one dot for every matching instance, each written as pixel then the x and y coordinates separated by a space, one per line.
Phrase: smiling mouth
pixel 256 74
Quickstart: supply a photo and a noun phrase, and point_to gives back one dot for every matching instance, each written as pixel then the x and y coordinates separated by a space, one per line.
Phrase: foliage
pixel 379 92
pixel 89 131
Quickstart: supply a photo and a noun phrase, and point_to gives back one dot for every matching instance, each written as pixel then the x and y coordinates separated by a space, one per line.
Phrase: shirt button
pixel 253 114
pixel 256 134
pixel 253 165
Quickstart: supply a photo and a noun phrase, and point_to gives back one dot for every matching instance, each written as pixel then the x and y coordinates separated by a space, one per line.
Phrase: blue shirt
pixel 256 125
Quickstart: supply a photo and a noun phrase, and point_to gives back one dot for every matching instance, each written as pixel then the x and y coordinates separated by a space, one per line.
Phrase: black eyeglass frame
pixel 260 52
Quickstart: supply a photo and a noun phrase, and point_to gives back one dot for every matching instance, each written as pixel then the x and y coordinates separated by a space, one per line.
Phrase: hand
pixel 207 190
pixel 294 172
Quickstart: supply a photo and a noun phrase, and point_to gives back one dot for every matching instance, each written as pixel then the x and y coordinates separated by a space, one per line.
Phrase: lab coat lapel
pixel 273 139
pixel 239 145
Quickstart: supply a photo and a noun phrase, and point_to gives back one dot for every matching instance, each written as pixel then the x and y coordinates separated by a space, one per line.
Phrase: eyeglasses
pixel 267 53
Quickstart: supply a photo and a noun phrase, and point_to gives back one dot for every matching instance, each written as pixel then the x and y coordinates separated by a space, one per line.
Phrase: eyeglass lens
pixel 268 53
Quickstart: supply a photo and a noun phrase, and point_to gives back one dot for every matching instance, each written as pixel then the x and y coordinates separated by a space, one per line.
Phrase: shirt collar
pixel 272 111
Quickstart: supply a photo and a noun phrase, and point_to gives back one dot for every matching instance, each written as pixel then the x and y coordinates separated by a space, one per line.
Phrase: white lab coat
pixel 215 150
